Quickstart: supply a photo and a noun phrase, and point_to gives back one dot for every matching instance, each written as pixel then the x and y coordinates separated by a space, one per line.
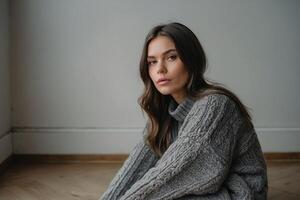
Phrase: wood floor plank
pixel 14 192
pixel 87 181
pixel 285 176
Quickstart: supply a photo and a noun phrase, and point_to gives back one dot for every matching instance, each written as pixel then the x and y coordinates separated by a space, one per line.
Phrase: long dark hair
pixel 155 104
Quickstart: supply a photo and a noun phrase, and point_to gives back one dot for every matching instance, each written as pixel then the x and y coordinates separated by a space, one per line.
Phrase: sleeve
pixel 234 188
pixel 198 162
pixel 140 159
pixel 248 178
pixel 222 194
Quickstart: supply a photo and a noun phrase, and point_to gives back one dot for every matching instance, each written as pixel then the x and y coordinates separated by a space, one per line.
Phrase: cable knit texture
pixel 213 156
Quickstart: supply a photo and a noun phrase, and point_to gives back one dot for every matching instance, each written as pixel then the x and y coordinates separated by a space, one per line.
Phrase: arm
pixel 140 159
pixel 197 162
pixel 234 188
pixel 248 176
pixel 222 194
pixel 248 179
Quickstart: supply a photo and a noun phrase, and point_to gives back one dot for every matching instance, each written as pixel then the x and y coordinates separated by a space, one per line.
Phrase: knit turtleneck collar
pixel 179 111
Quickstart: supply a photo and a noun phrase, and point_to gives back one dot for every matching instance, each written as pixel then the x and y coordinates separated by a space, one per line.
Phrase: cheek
pixel 150 74
pixel 183 79
pixel 183 74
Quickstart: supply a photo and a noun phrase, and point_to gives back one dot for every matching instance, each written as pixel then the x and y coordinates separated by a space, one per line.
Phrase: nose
pixel 161 68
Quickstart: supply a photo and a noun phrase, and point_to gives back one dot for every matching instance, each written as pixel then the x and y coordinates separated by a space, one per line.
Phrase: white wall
pixel 75 78
pixel 5 136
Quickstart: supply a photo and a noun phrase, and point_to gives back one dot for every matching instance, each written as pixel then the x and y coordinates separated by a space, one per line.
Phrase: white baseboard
pixel 75 141
pixel 279 139
pixel 6 148
pixel 121 141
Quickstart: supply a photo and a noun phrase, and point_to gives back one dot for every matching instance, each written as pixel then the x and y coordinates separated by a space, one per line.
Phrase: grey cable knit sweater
pixel 212 157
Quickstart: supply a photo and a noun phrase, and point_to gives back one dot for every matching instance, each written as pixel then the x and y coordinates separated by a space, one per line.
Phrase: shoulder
pixel 215 100
pixel 215 105
pixel 211 111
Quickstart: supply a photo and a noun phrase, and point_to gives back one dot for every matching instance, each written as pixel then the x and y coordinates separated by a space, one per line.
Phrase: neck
pixel 179 98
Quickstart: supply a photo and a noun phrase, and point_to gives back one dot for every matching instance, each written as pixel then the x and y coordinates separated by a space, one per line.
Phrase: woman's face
pixel 164 63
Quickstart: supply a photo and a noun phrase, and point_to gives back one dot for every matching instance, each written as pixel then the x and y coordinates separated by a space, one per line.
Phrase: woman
pixel 199 141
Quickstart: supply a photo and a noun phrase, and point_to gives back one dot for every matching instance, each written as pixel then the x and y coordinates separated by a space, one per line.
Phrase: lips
pixel 163 80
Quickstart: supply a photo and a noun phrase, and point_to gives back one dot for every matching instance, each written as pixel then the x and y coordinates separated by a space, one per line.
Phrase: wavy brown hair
pixel 155 104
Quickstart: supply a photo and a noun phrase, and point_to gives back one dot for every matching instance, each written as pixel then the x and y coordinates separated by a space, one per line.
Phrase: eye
pixel 151 62
pixel 172 57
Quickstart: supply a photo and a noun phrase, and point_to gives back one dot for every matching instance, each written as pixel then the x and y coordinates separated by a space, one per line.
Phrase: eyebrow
pixel 166 52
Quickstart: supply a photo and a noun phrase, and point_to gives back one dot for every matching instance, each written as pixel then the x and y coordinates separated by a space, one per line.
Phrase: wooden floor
pixel 89 181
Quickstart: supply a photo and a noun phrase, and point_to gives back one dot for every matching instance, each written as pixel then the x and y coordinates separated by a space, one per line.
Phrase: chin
pixel 165 92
